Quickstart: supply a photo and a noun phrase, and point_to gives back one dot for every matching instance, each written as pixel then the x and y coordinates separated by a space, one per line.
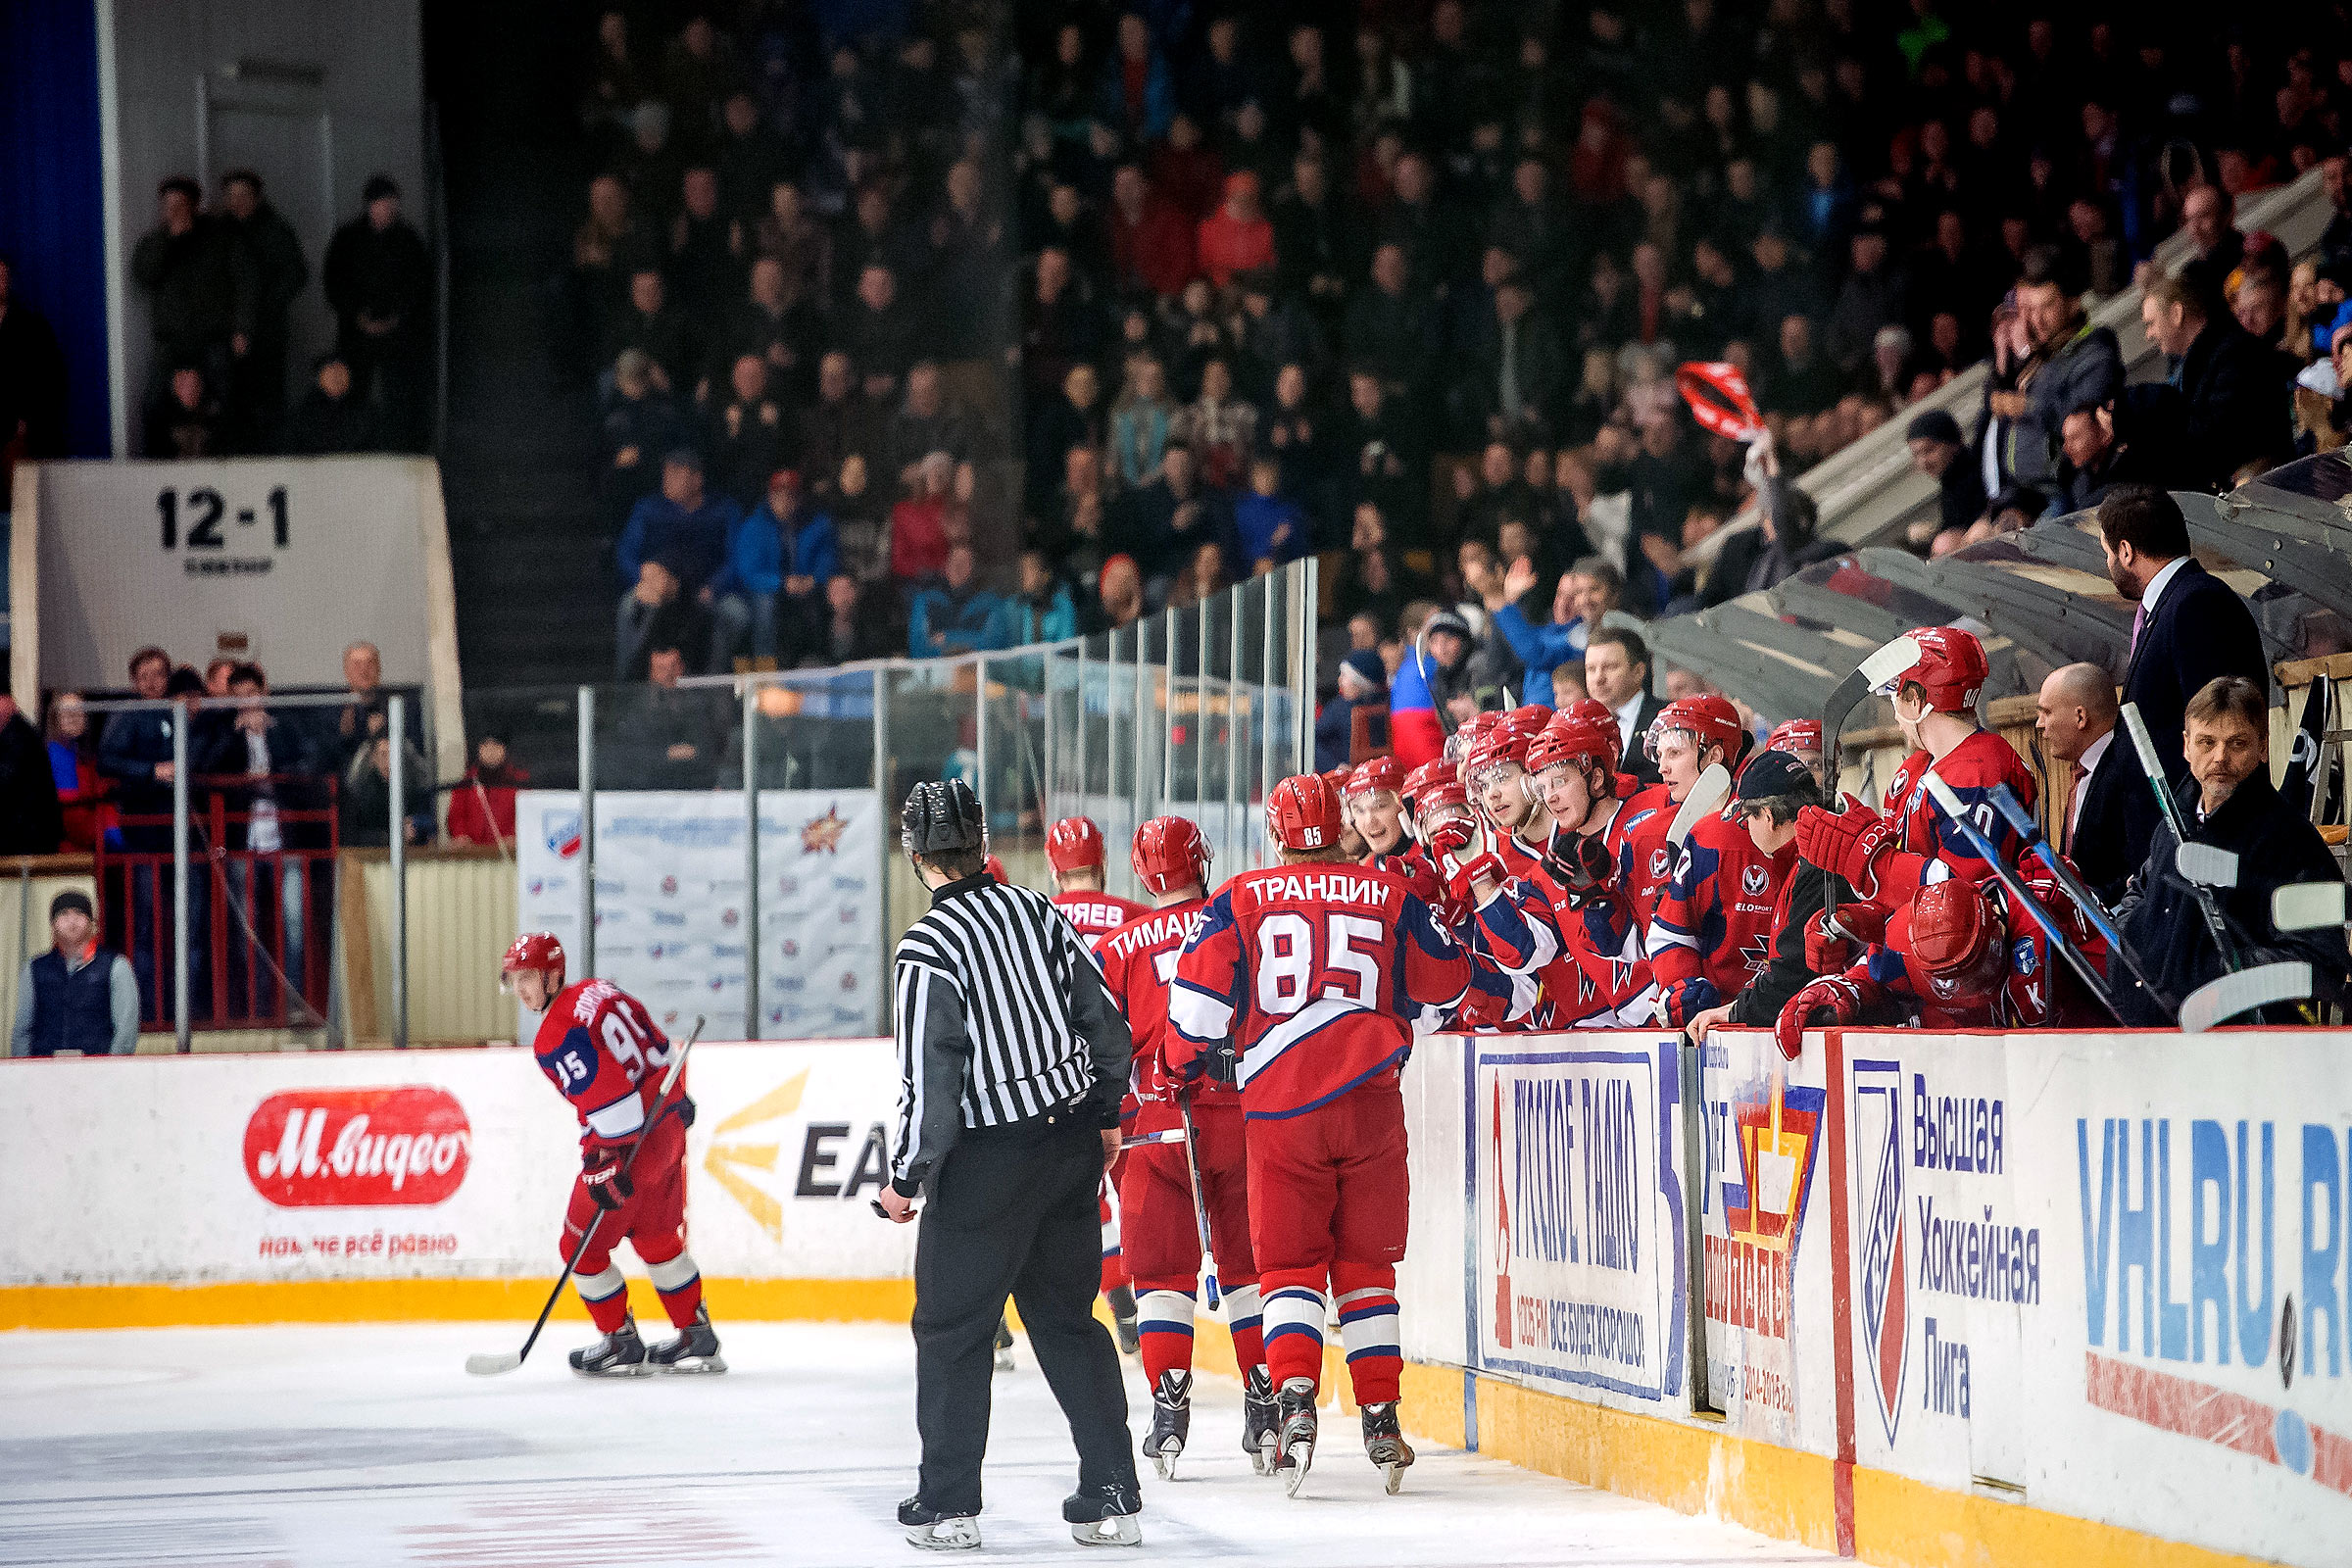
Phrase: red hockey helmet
pixel 1709 720
pixel 1566 740
pixel 1378 773
pixel 1526 720
pixel 1949 671
pixel 1795 735
pixel 535 950
pixel 1075 844
pixel 1169 853
pixel 1464 740
pixel 1421 780
pixel 1304 814
pixel 1496 747
pixel 1956 934
pixel 1587 707
pixel 1440 792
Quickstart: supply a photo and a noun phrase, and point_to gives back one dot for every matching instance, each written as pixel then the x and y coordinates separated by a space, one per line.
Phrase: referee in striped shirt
pixel 1012 1059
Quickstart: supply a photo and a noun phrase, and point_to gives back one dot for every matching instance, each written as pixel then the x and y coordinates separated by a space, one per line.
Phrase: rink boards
pixel 1958 1297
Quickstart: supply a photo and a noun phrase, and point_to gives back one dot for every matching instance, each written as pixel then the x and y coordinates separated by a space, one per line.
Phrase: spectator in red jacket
pixel 1236 238
pixel 481 808
pixel 921 526
pixel 1151 242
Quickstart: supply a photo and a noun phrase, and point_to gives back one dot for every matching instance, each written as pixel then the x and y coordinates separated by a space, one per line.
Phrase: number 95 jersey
pixel 601 1048
pixel 1318 972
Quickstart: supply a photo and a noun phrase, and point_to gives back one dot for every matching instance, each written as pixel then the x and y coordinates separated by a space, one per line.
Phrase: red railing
pixel 255 911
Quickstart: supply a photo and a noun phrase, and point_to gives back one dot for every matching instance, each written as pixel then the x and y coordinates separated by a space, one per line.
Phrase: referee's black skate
pixel 1295 1432
pixel 618 1354
pixel 1105 1516
pixel 934 1530
pixel 1171 1422
pixel 695 1350
pixel 1384 1444
pixel 1259 1419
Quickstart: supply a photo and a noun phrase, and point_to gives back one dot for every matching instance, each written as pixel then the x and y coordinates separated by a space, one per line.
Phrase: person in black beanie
pixel 1940 452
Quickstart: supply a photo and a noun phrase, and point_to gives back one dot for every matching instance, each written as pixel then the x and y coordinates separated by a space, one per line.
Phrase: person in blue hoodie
pixel 954 615
pixel 1272 527
pixel 779 561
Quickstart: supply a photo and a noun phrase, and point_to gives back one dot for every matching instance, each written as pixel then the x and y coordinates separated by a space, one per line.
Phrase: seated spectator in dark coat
pixel 2097 460
pixel 185 418
pixel 1164 522
pixel 953 614
pixel 332 418
pixel 684 528
pixel 2226 403
pixel 366 803
pixel 78 999
pixel 654 326
pixel 30 821
pixel 748 433
pixel 2228 802
pixel 640 424
pixel 1363 683
pixel 924 423
pixel 851 628
pixel 1804 381
pixel 1940 452
pixel 654 613
pixel 669 737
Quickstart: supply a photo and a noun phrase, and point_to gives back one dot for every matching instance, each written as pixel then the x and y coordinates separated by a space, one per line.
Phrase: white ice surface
pixel 371 1445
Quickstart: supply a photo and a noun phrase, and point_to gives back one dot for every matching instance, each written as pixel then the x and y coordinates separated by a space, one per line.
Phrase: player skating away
pixel 1958 957
pixel 1711 932
pixel 600 1046
pixel 1161 1227
pixel 1319 971
pixel 1886 856
pixel 1076 855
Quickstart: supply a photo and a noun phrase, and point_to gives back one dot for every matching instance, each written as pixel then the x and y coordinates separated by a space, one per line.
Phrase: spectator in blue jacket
pixel 1043 611
pixel 777 560
pixel 1587 591
pixel 684 528
pixel 1273 528
pixel 954 616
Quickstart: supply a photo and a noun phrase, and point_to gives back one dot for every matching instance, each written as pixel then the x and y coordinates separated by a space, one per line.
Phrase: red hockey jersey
pixel 1931 848
pixel 1318 974
pixel 1714 919
pixel 1098 914
pixel 1138 966
pixel 2036 990
pixel 1636 839
pixel 602 1049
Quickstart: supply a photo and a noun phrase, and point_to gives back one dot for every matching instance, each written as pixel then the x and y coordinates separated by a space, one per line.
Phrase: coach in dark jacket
pixel 2228 802
pixel 2190 627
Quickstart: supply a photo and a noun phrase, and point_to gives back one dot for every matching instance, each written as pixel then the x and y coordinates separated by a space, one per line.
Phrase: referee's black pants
pixel 1013 1212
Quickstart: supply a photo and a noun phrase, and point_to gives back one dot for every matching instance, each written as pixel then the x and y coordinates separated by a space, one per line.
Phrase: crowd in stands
pixel 220 286
pixel 1223 288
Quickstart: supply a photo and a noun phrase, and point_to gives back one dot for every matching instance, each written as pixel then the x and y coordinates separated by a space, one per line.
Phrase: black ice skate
pixel 934 1530
pixel 1384 1444
pixel 695 1350
pixel 1105 1516
pixel 1004 1345
pixel 1122 1312
pixel 1295 1432
pixel 1171 1422
pixel 618 1354
pixel 1259 1419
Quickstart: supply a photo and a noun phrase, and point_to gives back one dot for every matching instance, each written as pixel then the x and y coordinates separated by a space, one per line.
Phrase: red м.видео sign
pixel 357 1148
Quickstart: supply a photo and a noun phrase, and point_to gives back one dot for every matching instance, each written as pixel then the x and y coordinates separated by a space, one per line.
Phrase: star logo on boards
pixel 823 833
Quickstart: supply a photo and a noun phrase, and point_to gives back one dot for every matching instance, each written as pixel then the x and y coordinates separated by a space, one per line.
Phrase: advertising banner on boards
pixel 670 898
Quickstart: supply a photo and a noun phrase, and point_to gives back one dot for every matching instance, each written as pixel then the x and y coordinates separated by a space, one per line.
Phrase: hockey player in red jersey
pixel 1374 799
pixel 1886 856
pixel 1518 826
pixel 1318 971
pixel 1711 932
pixel 1076 855
pixel 1958 957
pixel 1800 738
pixel 598 1045
pixel 1160 1227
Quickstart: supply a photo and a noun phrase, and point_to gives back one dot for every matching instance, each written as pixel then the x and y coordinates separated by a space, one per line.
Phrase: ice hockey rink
pixel 366 1445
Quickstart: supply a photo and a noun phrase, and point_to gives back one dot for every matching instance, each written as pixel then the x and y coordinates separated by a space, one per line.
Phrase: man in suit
pixel 2076 718
pixel 2225 405
pixel 2190 628
pixel 1617 673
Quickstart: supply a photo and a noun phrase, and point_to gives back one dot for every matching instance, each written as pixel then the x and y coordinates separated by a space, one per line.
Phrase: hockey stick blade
pixel 2206 865
pixel 1712 789
pixel 2231 995
pixel 490 1366
pixel 2308 907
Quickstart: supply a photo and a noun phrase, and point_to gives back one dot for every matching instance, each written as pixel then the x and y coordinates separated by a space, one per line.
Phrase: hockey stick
pixel 490 1366
pixel 2219 1000
pixel 1883 665
pixel 2153 768
pixel 1192 1166
pixel 2020 822
pixel 2076 958
pixel 2308 905
pixel 1707 794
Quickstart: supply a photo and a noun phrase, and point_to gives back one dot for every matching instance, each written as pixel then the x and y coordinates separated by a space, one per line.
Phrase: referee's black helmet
pixel 942 817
